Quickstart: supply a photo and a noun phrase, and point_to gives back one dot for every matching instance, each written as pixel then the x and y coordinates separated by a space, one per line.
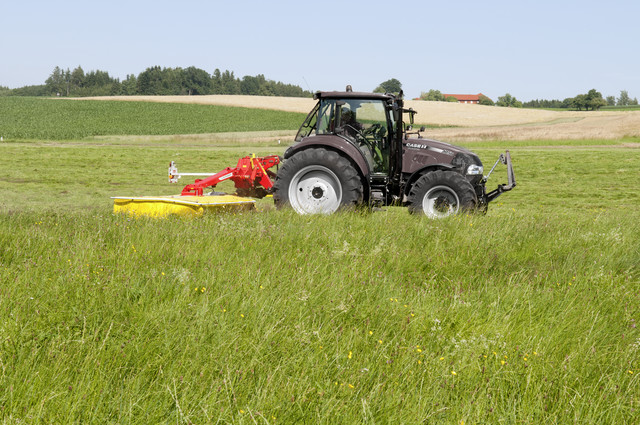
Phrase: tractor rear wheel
pixel 439 194
pixel 317 181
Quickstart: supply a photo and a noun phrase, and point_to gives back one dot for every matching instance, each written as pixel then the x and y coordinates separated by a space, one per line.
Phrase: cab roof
pixel 353 95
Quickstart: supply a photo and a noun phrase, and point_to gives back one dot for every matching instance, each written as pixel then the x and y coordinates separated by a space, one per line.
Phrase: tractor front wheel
pixel 439 194
pixel 317 181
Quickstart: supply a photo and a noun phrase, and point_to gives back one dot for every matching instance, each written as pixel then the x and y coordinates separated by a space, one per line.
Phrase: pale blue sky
pixel 534 49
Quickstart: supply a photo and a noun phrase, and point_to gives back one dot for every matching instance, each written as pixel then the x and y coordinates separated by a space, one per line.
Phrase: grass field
pixel 528 314
pixel 60 119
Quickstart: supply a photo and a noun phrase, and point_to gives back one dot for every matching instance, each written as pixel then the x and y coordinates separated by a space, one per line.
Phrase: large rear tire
pixel 439 194
pixel 317 181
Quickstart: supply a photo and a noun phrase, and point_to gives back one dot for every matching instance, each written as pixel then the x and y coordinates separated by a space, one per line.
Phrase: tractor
pixel 354 148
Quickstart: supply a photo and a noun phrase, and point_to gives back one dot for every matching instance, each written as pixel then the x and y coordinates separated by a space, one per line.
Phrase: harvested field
pixel 591 125
pixel 288 104
pixel 471 122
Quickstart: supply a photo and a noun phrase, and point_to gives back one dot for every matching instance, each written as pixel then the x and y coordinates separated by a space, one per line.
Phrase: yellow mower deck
pixel 162 206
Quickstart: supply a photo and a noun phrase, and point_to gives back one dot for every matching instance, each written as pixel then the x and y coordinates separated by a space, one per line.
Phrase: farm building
pixel 465 98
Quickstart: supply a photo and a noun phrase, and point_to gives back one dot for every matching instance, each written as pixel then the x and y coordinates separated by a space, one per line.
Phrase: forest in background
pixel 155 81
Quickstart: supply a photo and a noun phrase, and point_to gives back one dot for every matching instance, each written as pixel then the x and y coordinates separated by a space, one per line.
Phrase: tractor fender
pixel 418 173
pixel 335 143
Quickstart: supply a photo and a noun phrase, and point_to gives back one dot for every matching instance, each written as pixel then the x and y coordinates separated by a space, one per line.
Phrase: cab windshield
pixel 362 121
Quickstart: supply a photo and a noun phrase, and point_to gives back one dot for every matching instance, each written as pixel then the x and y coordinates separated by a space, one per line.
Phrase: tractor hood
pixel 420 153
pixel 435 146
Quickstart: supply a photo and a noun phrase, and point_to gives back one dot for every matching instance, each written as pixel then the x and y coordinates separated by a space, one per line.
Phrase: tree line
pixel 592 100
pixel 585 101
pixel 155 81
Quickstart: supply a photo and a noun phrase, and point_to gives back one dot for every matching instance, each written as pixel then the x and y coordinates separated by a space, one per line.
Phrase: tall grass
pixel 352 318
pixel 528 314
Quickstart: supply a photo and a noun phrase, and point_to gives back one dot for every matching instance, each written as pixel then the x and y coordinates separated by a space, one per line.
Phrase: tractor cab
pixel 361 119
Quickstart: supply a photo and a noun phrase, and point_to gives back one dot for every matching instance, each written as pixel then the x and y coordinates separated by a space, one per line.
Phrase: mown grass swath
pixel 527 314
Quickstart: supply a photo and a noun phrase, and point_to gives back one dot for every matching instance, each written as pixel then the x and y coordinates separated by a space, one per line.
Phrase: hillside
pixel 469 122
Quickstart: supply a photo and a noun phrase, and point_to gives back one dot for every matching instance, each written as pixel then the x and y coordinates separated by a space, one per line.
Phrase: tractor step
pixel 163 206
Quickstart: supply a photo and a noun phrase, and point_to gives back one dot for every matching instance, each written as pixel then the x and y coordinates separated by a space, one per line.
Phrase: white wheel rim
pixel 315 190
pixel 440 202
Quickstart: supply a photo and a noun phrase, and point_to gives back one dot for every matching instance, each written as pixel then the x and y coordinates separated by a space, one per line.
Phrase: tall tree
pixel 623 100
pixel 216 82
pixel 197 81
pixel 230 85
pixel 594 100
pixel 251 85
pixel 389 86
pixel 484 100
pixel 77 78
pixel 150 81
pixel 55 83
pixel 432 95
pixel 509 101
pixel 130 85
pixel 579 102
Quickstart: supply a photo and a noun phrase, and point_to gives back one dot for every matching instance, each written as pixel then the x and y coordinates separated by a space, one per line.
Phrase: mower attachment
pixel 250 176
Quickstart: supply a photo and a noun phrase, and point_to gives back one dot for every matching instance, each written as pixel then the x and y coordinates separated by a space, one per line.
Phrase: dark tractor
pixel 354 148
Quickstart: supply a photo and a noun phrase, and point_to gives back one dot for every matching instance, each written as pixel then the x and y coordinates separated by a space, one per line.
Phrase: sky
pixel 531 49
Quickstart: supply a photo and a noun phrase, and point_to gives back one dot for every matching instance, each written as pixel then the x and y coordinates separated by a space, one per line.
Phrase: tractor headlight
pixel 475 170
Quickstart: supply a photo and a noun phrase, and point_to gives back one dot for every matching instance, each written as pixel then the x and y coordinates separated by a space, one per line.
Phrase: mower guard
pixel 163 206
pixel 505 158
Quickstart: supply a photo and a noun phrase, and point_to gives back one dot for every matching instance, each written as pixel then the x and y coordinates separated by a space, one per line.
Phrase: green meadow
pixel 528 314
pixel 63 119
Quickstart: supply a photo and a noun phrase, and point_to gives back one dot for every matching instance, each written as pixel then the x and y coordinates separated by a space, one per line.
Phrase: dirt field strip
pixel 614 125
pixel 288 104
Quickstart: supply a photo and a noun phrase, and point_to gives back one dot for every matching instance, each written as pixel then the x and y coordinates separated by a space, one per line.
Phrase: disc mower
pixel 251 176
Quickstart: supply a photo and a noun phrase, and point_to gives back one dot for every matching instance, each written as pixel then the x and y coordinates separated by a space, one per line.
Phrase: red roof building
pixel 465 98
